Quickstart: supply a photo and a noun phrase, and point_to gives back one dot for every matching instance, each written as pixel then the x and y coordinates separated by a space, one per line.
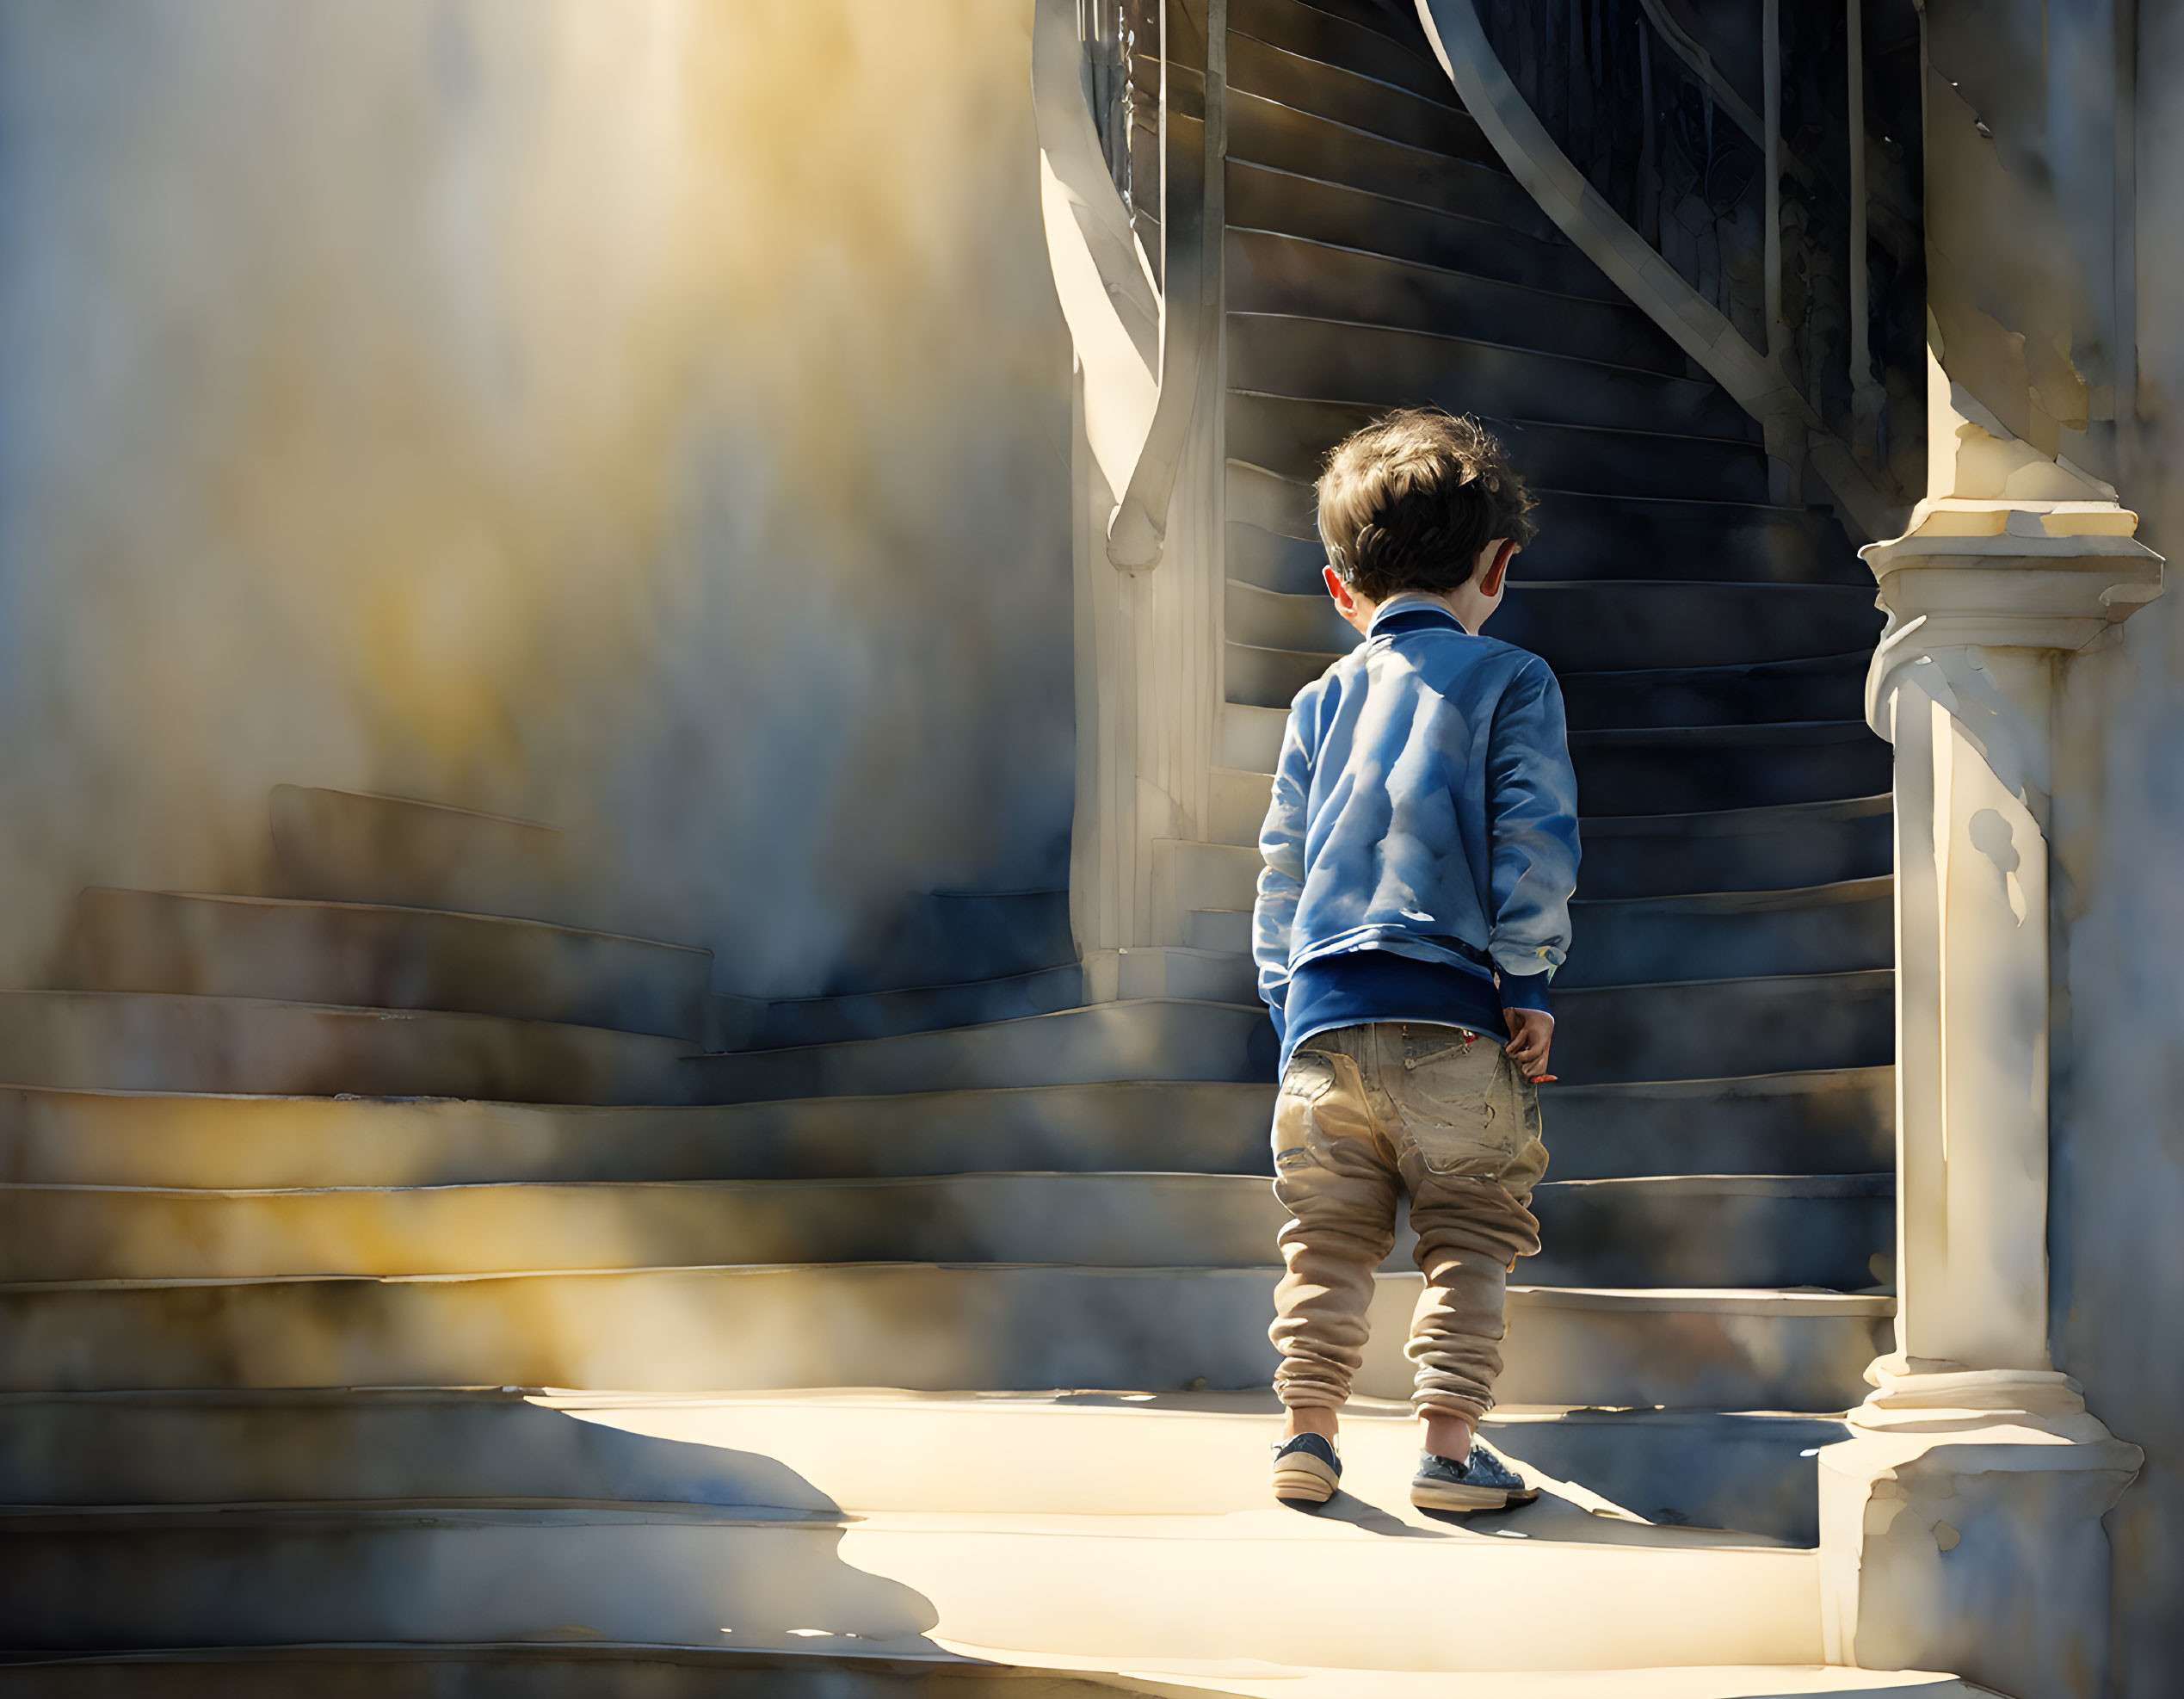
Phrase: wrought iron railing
pixel 1722 132
pixel 1154 77
pixel 1124 51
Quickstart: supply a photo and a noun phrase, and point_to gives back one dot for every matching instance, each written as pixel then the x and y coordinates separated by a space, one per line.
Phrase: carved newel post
pixel 1960 1524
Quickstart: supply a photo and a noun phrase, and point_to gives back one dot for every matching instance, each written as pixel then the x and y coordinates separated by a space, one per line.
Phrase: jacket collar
pixel 1411 611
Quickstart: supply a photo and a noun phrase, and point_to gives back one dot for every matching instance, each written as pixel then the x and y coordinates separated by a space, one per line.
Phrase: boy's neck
pixel 1468 603
pixel 1455 603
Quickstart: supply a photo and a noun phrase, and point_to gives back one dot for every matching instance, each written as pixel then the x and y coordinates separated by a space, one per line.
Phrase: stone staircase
pixel 408 1287
pixel 276 1413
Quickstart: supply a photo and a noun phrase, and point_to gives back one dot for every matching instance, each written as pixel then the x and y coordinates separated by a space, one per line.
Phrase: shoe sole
pixel 1438 1496
pixel 1302 1486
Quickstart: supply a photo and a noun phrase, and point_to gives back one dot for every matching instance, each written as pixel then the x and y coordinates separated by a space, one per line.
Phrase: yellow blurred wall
pixel 649 415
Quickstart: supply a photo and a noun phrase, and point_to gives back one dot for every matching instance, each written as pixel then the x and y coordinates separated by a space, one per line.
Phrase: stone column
pixel 1961 1523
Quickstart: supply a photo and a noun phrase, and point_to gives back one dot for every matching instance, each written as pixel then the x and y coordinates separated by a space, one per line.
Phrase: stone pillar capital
pixel 2001 574
pixel 2040 578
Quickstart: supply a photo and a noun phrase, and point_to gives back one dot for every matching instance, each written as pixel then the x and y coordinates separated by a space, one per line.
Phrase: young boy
pixel 1421 850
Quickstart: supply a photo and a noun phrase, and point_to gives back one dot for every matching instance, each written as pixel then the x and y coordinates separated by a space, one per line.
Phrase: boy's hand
pixel 1530 1034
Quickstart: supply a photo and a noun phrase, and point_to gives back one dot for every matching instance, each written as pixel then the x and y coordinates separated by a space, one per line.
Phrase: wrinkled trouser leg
pixel 1469 1151
pixel 1336 1174
pixel 1469 1234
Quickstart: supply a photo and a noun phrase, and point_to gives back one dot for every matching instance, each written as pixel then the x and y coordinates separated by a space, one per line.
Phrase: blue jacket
pixel 1423 805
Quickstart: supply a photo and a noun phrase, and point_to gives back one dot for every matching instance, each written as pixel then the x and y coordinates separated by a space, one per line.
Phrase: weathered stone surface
pixel 364 956
pixel 904 1324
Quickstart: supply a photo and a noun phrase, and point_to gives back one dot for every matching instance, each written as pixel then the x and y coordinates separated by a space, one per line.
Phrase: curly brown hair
pixel 1408 501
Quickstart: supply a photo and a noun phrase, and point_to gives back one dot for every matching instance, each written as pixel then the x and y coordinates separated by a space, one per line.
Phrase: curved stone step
pixel 1265 133
pixel 912 1325
pixel 1290 436
pixel 1212 875
pixel 1605 538
pixel 957 937
pixel 1316 34
pixel 1146 1039
pixel 369 956
pixel 1590 628
pixel 1238 808
pixel 1670 1349
pixel 1337 363
pixel 1301 202
pixel 1169 1454
pixel 1391 18
pixel 1221 974
pixel 1179 1454
pixel 1699 1230
pixel 1785 847
pixel 1728 935
pixel 1251 742
pixel 1220 930
pixel 91 1138
pixel 1707 1029
pixel 1748 1470
pixel 1712 833
pixel 1671 623
pixel 1724 853
pixel 1090 1220
pixel 1308 282
pixel 1267 678
pixel 1829 1121
pixel 430 1445
pixel 397 1576
pixel 1825 687
pixel 1716 1230
pixel 1692 769
pixel 350 847
pixel 1269 560
pixel 1829 687
pixel 1835 1121
pixel 148 1041
pixel 503 1670
pixel 1433 122
pixel 1100 1591
pixel 825 1019
pixel 1730 866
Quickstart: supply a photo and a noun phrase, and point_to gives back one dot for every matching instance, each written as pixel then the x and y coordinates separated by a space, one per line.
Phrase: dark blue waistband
pixel 1359 988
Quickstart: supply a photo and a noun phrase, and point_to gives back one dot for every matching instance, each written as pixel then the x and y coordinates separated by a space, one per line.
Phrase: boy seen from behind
pixel 1421 850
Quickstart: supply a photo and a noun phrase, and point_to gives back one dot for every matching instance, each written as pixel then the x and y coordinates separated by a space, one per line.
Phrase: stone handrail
pixel 1143 349
pixel 1795 433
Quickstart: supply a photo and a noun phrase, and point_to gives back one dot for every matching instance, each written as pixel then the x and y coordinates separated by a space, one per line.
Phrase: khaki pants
pixel 1442 1114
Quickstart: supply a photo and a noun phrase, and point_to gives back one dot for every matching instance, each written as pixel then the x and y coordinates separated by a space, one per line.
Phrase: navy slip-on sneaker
pixel 1480 1482
pixel 1306 1470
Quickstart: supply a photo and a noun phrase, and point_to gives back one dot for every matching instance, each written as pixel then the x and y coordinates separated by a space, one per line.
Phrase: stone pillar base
pixel 1960 1530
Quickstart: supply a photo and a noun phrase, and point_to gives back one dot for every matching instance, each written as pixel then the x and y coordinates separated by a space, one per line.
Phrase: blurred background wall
pixel 650 416
pixel 2054 259
pixel 2116 1234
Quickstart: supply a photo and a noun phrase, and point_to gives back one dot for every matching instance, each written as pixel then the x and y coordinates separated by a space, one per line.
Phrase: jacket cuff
pixel 1525 991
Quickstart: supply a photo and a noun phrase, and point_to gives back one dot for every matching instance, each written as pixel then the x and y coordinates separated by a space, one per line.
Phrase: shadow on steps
pixel 160 1521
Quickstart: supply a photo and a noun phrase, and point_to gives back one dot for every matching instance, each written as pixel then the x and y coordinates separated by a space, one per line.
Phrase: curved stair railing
pixel 1737 229
pixel 1129 100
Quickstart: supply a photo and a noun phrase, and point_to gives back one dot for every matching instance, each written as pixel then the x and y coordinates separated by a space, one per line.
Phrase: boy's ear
pixel 1490 582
